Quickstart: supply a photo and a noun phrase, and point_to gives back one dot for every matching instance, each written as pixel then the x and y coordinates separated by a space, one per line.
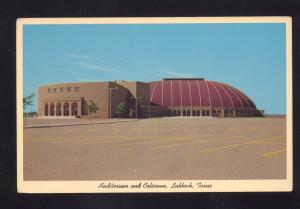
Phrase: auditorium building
pixel 170 97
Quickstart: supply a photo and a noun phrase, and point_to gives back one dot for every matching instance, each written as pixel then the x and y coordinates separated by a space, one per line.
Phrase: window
pixel 174 112
pixel 54 89
pixel 188 113
pixel 76 89
pixel 61 89
pixel 68 89
pixel 49 90
pixel 207 113
pixel 194 112
pixel 166 112
pixel 169 113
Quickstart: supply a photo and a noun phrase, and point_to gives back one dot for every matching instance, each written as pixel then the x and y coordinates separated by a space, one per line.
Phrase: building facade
pixel 168 97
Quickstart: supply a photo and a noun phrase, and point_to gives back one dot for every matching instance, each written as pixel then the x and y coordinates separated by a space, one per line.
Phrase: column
pixel 62 108
pixel 79 108
pixel 55 112
pixel 49 108
pixel 70 108
pixel 43 108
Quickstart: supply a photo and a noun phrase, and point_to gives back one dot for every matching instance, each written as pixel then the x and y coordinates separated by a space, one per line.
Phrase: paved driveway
pixel 158 149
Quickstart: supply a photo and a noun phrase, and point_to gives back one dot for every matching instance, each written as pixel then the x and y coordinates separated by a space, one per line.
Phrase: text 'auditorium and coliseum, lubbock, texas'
pixel 170 97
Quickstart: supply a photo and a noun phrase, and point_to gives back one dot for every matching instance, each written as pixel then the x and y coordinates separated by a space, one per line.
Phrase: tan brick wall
pixel 98 92
pixel 130 86
pixel 95 91
pixel 137 89
pixel 117 96
pixel 143 90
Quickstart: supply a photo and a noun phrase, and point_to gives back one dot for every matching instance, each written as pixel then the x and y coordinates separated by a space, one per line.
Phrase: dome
pixel 197 92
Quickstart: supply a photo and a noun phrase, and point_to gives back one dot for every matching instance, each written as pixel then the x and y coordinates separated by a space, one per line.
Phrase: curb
pixel 77 124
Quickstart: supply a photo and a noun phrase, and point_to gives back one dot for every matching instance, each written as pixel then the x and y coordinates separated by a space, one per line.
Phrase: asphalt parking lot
pixel 158 149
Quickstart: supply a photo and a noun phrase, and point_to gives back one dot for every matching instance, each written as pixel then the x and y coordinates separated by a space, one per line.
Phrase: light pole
pixel 111 88
pixel 136 105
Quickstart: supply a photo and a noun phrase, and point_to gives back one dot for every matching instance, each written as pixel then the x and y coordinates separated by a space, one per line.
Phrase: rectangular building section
pixel 74 99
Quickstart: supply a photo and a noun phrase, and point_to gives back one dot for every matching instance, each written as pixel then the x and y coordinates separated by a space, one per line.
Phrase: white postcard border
pixel 158 185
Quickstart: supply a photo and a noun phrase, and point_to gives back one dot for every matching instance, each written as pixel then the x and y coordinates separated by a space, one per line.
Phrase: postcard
pixel 189 104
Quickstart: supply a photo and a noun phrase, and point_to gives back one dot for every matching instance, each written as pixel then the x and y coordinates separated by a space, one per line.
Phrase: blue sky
pixel 250 57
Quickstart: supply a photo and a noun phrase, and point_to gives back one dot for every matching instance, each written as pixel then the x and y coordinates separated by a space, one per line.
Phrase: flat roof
pixel 183 79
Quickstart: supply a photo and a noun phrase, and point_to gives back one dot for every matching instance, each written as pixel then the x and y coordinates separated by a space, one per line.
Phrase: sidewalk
pixel 85 122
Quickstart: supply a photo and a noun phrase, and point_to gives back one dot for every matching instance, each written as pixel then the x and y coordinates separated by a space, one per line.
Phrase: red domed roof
pixel 197 92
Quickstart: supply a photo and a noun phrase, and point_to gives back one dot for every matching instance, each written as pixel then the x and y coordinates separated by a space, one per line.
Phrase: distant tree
pixel 131 113
pixel 27 102
pixel 120 109
pixel 93 108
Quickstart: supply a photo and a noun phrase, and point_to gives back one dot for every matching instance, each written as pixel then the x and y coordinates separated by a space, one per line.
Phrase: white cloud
pixel 95 67
pixel 179 74
pixel 75 72
pixel 166 71
pixel 77 56
pixel 86 80
pixel 82 60
pixel 160 75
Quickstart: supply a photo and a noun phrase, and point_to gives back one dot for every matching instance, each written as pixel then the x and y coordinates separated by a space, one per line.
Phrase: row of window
pixel 236 111
pixel 62 89
pixel 201 112
pixel 187 113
